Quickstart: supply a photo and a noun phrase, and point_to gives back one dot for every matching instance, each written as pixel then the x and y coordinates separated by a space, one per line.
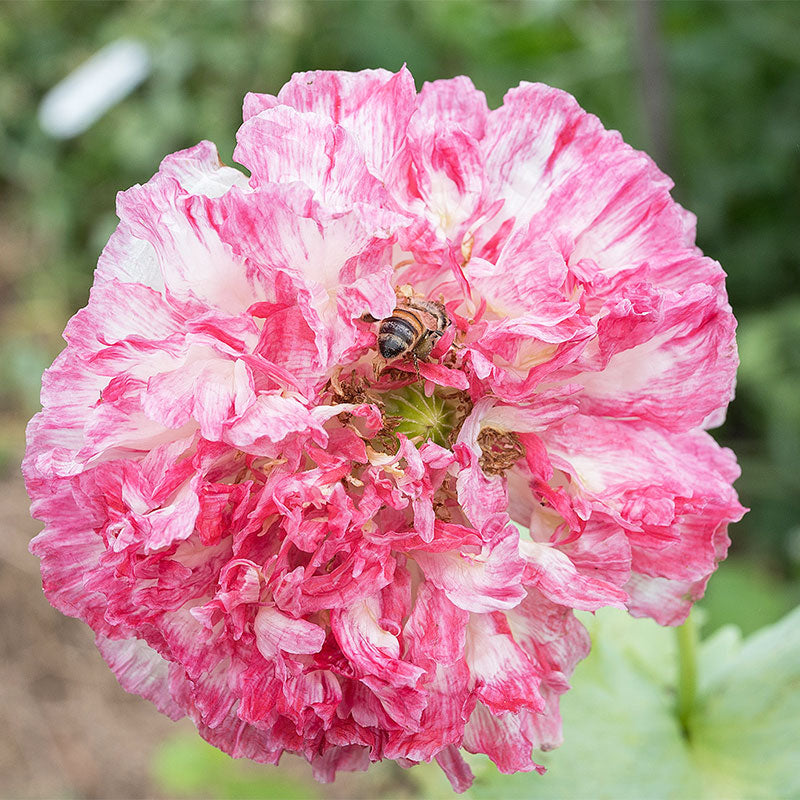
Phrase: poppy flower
pixel 305 546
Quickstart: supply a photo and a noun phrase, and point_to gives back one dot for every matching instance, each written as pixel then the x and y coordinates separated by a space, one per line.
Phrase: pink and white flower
pixel 305 554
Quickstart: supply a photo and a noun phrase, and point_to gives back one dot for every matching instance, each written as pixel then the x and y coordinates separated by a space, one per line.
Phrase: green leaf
pixel 622 735
pixel 746 733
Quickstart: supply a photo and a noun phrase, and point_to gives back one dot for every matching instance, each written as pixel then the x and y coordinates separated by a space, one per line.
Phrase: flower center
pixel 436 418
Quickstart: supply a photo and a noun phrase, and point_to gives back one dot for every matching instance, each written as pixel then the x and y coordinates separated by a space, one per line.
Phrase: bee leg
pixel 416 366
pixel 426 344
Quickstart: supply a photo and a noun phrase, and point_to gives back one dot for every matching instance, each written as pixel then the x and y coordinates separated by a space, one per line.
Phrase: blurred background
pixel 710 89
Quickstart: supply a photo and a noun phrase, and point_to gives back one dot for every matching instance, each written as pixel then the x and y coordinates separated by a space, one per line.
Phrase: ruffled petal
pixel 234 500
pixel 482 581
pixel 281 145
pixel 375 105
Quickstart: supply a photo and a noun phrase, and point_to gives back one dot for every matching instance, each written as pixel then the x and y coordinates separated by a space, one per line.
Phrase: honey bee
pixel 413 329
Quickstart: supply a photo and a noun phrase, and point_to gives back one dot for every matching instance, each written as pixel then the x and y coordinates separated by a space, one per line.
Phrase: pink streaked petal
pixel 544 728
pixel 481 496
pixel 449 703
pixel 528 277
pixel 68 384
pixel 260 690
pixel 507 740
pixel 628 217
pixel 372 650
pixel 132 259
pixel 679 269
pixel 374 656
pixel 556 641
pixel 182 638
pixel 371 291
pixel 455 101
pixel 276 632
pixel 437 374
pixel 129 259
pixel 637 474
pixel 122 312
pixel 326 249
pixel 556 165
pixel 268 421
pixel 325 270
pixel 439 180
pixel 140 670
pixel 350 758
pixel 669 359
pixel 447 536
pixel 282 145
pixel 69 550
pixel 631 220
pixel 602 551
pixel 183 229
pixel 208 389
pixel 515 356
pixel 551 632
pixel 359 574
pixel 212 700
pixel 702 544
pixel 484 581
pixel 59 433
pixel 395 601
pixel 374 105
pixel 118 429
pixel 539 136
pixel 199 171
pixel 317 690
pixel 288 341
pixel 171 522
pixel 457 770
pixel 242 580
pixel 555 576
pixel 238 739
pixel 504 677
pixel 666 601
pixel 436 628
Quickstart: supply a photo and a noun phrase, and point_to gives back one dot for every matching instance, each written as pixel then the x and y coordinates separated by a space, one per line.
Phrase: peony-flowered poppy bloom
pixel 310 542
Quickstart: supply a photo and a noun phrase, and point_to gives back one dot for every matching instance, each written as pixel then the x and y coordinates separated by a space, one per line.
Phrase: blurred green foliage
pixel 188 767
pixel 709 88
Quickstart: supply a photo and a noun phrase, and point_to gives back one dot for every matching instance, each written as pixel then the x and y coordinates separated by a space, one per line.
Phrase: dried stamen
pixel 500 450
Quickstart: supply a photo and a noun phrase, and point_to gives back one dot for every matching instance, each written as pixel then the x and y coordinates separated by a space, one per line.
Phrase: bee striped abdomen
pixel 399 333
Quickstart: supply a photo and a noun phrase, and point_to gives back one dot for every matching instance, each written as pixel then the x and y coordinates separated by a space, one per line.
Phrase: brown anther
pixel 353 389
pixel 445 499
pixel 500 450
pixel 463 408
pixel 450 359
pixel 384 440
pixel 441 510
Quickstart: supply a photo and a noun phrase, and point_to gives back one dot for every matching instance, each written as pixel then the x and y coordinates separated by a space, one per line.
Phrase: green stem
pixel 687 673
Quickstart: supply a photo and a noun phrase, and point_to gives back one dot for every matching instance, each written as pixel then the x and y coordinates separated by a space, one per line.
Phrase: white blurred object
pixel 78 101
